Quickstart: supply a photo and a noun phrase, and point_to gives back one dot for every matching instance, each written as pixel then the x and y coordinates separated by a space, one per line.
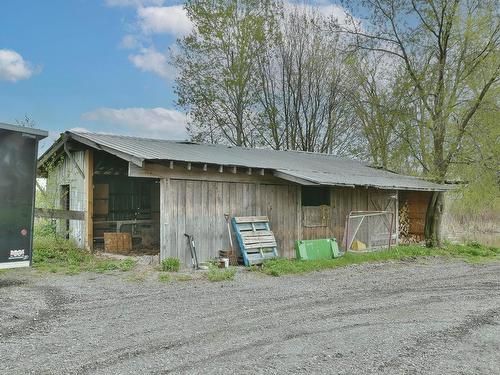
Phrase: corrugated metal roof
pixel 302 167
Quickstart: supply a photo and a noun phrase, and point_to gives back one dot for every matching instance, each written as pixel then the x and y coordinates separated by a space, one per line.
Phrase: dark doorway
pixel 65 205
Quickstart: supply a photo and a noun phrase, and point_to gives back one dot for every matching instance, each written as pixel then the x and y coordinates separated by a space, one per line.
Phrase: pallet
pixel 256 240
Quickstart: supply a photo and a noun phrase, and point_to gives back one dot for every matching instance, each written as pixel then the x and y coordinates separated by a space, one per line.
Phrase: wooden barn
pixel 158 190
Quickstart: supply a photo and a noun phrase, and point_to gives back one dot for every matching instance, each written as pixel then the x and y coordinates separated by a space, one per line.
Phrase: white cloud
pixel 150 60
pixel 147 122
pixel 13 67
pixel 132 3
pixel 325 8
pixel 129 42
pixel 164 20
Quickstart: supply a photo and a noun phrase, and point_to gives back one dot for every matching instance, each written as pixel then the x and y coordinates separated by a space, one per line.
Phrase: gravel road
pixel 425 317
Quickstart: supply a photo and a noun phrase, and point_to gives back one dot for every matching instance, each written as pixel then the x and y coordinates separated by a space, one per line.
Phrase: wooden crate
pixel 118 243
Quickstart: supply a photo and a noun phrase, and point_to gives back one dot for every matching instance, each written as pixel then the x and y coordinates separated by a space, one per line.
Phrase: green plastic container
pixel 326 248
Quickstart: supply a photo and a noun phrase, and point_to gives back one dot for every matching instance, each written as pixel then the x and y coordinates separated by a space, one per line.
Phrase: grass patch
pixel 182 277
pixel 472 252
pixel 170 264
pixel 220 274
pixel 58 255
pixel 164 278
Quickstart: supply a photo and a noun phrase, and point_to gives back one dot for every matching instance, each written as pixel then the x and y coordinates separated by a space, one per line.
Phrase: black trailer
pixel 18 158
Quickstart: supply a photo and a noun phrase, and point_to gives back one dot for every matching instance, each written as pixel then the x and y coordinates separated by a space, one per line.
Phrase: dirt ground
pixel 426 317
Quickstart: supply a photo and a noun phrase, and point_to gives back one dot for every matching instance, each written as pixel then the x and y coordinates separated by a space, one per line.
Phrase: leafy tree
pixel 449 50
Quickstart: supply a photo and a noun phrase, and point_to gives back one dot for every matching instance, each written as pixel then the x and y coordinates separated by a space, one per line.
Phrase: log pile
pixel 404 220
pixel 404 227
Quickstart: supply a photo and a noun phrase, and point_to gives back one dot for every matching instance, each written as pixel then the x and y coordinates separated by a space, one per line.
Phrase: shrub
pixel 220 274
pixel 171 264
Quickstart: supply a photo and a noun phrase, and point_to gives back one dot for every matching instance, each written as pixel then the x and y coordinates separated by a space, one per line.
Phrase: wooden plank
pixel 164 217
pixel 251 219
pixel 51 213
pixel 261 245
pixel 89 189
pixel 256 233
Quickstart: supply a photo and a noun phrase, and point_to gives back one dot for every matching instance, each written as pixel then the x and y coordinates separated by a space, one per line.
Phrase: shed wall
pixel 66 173
pixel 198 207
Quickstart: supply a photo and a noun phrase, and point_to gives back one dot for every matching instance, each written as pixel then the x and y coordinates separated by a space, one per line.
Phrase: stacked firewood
pixel 404 220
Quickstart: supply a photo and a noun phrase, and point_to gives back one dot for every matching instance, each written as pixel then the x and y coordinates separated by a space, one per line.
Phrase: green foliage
pixel 220 274
pixel 171 264
pixel 45 228
pixel 470 252
pixel 58 255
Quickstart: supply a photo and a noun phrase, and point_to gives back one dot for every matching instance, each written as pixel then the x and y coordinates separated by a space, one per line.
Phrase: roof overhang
pixel 65 137
pixel 307 179
pixel 38 133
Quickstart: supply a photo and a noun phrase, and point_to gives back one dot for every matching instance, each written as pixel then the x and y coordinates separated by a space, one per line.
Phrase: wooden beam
pixel 204 168
pixel 234 170
pixel 50 213
pixel 221 168
pixel 249 171
pixel 153 170
pixel 188 166
pixel 164 217
pixel 171 164
pixel 89 189
pixel 261 172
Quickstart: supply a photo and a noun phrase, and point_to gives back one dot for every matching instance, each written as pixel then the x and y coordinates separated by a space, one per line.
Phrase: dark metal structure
pixel 18 159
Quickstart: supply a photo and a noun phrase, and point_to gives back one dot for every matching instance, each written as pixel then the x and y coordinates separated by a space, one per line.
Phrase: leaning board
pixel 257 242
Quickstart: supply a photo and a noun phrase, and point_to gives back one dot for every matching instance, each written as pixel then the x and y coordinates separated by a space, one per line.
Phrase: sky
pixel 95 65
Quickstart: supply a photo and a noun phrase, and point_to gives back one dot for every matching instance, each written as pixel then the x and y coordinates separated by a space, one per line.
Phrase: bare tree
pixel 303 86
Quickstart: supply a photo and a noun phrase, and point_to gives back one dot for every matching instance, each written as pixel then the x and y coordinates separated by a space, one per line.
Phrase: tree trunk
pixel 432 230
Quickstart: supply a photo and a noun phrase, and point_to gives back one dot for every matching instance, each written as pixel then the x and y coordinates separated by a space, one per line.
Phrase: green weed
pixel 164 278
pixel 220 274
pixel 171 264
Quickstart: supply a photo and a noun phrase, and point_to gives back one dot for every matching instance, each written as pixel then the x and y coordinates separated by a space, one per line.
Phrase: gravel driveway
pixel 425 317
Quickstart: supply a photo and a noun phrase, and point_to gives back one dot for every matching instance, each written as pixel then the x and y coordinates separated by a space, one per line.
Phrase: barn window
pixel 315 196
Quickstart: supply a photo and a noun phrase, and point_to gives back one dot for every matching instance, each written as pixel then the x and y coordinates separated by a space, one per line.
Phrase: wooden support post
pixel 249 172
pixel 171 164
pixel 164 217
pixel 299 214
pixel 234 170
pixel 205 167
pixel 262 172
pixel 89 189
pixel 221 168
pixel 188 166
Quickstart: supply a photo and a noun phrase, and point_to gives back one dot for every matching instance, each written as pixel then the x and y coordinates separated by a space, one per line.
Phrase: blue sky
pixel 101 65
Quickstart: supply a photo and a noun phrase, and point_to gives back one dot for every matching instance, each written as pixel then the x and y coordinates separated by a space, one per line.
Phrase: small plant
pixel 126 264
pixel 164 278
pixel 170 264
pixel 220 274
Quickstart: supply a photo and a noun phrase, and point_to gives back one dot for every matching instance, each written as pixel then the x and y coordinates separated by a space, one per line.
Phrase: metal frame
pixel 363 214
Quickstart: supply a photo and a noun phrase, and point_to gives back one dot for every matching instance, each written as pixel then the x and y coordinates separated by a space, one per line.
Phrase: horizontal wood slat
pixel 50 213
pixel 251 219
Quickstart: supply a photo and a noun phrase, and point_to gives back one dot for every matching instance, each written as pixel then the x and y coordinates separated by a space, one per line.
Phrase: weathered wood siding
pixel 343 201
pixel 66 173
pixel 198 208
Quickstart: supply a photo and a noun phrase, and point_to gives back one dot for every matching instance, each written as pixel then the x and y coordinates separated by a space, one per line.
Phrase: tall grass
pixel 59 255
